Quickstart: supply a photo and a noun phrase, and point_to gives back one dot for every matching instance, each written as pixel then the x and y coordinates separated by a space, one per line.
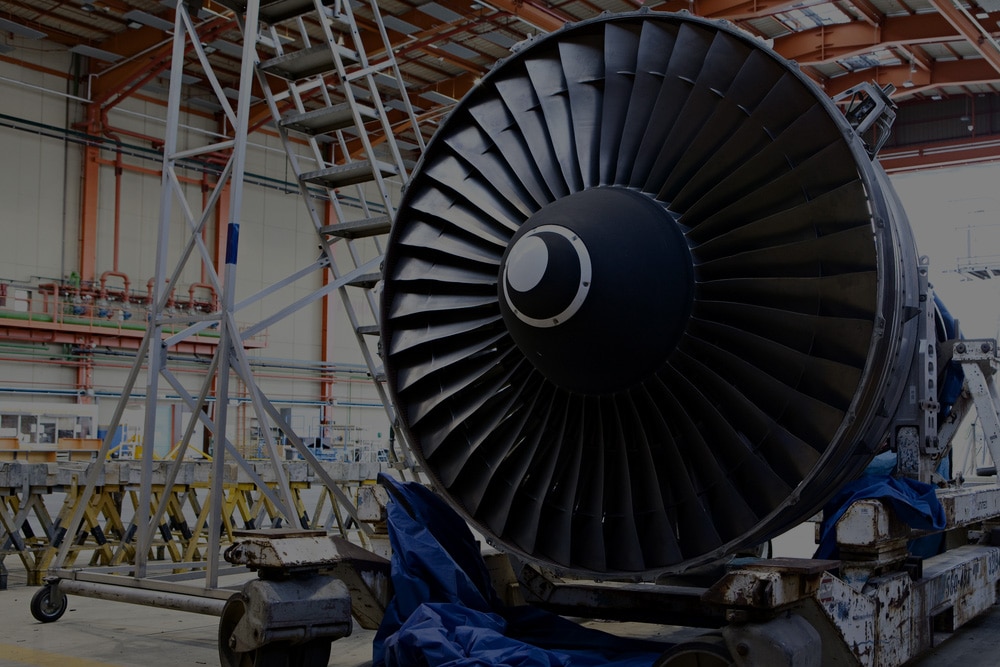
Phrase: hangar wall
pixel 43 137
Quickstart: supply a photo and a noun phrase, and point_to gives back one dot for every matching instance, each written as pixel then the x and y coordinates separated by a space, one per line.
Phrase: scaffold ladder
pixel 335 94
pixel 323 68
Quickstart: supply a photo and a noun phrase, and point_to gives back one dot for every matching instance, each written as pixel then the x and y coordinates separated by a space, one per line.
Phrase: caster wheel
pixel 315 653
pixel 278 654
pixel 46 607
pixel 705 651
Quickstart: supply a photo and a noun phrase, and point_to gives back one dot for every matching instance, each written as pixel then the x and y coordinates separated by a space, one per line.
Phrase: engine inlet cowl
pixel 645 298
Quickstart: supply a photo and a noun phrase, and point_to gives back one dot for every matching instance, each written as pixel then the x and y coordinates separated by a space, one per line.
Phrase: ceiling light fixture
pixel 147 19
pixel 913 70
pixel 97 54
pixel 438 98
pixel 20 30
pixel 230 49
pixel 439 12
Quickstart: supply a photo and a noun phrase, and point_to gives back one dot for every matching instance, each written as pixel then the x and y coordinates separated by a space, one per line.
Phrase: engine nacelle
pixel 648 300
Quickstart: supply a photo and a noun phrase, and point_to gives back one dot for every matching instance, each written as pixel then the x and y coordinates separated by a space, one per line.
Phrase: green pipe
pixel 82 321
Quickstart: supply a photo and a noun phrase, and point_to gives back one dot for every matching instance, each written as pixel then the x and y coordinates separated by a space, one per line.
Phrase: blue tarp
pixel 914 502
pixel 445 613
pixel 954 377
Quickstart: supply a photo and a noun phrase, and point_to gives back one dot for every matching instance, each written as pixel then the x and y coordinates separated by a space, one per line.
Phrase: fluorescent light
pixel 210 105
pixel 398 105
pixel 457 50
pixel 361 93
pixel 234 94
pixel 147 19
pixel 383 79
pixel 22 30
pixel 435 96
pixel 439 12
pixel 399 25
pixel 499 38
pixel 156 89
pixel 186 79
pixel 228 48
pixel 97 54
pixel 268 42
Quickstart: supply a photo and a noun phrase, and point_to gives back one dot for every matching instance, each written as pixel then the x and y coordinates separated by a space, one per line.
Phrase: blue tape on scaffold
pixel 232 242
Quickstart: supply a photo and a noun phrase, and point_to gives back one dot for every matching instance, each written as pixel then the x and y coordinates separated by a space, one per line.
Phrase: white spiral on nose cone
pixel 525 268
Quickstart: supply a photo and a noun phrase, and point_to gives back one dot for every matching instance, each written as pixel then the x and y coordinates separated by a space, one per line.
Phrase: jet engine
pixel 648 300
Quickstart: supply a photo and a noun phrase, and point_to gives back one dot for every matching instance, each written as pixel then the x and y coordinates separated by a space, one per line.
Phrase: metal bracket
pixel 979 363
pixel 870 111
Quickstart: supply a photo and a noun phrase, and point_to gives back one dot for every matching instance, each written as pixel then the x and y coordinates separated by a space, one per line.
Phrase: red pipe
pixel 215 297
pixel 104 279
pixel 118 214
pixel 108 132
pixel 149 294
pixel 45 289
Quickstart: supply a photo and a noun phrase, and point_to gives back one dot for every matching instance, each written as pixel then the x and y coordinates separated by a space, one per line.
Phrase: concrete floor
pixel 97 632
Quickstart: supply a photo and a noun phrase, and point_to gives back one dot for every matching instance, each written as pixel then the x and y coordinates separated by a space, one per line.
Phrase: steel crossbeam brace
pixel 343 280
pixel 980 367
pixel 969 27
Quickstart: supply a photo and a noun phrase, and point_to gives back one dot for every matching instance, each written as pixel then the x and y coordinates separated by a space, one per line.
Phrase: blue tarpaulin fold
pixel 914 502
pixel 445 613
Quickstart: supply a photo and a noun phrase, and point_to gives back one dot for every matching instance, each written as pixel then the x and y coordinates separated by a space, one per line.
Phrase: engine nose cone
pixel 596 289
pixel 547 276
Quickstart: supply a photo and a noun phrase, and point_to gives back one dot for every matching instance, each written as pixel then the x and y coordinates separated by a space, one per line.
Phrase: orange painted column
pixel 85 378
pixel 90 188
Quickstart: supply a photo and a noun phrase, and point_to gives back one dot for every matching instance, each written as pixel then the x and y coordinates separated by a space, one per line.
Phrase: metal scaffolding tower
pixel 325 99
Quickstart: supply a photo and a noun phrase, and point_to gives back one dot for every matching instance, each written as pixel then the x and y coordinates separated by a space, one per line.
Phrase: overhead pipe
pixel 214 303
pixel 118 209
pixel 85 139
pixel 171 301
pixel 102 297
pixel 46 289
pixel 118 274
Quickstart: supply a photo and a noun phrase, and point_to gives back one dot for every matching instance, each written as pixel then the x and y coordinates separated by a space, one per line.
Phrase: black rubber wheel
pixel 314 653
pixel 46 607
pixel 269 655
pixel 705 651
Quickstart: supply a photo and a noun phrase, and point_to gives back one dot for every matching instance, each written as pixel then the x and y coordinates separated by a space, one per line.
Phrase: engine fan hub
pixel 596 288
pixel 547 275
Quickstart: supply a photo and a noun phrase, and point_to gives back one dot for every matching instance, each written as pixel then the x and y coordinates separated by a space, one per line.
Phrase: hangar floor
pixel 97 632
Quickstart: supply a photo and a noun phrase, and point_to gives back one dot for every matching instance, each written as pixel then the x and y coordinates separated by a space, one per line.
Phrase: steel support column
pixel 90 189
